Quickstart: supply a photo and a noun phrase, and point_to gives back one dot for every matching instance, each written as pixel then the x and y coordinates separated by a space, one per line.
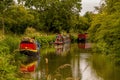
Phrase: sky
pixel 88 5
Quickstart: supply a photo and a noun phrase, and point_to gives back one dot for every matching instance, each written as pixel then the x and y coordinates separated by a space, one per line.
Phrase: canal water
pixel 68 62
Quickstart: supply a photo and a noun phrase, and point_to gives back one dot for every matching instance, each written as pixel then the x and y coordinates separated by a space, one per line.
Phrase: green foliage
pixel 46 40
pixel 49 16
pixel 10 58
pixel 73 38
pixel 43 38
pixel 17 19
pixel 106 35
pixel 7 68
pixel 95 24
pixel 83 24
pixel 7 71
pixel 105 31
pixel 4 4
pixel 112 6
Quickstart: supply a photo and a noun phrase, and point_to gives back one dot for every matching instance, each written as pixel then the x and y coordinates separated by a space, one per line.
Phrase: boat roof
pixel 28 39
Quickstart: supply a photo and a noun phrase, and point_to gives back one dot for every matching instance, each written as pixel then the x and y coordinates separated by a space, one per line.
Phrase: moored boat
pixel 29 46
pixel 62 39
pixel 59 39
pixel 81 38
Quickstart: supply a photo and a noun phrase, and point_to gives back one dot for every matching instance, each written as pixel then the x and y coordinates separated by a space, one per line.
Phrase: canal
pixel 68 62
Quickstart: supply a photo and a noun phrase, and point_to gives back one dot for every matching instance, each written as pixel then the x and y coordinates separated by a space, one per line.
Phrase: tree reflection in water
pixel 86 70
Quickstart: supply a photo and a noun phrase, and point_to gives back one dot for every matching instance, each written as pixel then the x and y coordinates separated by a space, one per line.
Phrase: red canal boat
pixel 29 46
pixel 81 38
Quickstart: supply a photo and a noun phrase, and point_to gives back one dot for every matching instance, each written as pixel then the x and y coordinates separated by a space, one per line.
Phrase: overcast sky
pixel 88 5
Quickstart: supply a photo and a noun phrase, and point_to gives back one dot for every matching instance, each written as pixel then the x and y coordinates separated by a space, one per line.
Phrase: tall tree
pixel 4 5
pixel 105 30
pixel 55 14
pixel 18 19
pixel 111 5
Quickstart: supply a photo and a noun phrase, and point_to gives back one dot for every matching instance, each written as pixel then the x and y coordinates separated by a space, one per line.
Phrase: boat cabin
pixel 29 46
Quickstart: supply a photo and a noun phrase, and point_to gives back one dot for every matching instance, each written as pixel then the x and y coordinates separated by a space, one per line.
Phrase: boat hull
pixel 29 53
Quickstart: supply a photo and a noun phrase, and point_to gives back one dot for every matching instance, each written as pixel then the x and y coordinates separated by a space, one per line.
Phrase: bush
pixel 7 61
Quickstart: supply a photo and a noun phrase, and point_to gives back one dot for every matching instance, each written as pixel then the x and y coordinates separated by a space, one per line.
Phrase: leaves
pixel 105 30
pixel 17 19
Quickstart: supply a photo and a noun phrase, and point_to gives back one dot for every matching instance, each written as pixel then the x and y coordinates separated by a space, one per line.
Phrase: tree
pixel 111 5
pixel 18 19
pixel 56 15
pixel 105 30
pixel 4 5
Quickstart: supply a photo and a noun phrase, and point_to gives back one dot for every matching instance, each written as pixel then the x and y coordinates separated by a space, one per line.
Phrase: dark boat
pixel 81 38
pixel 29 46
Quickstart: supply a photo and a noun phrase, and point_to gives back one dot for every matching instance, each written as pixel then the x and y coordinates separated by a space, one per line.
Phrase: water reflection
pixel 28 68
pixel 84 64
pixel 84 45
pixel 68 63
pixel 57 63
pixel 62 49
pixel 87 72
pixel 75 65
pixel 59 49
pixel 104 67
pixel 81 67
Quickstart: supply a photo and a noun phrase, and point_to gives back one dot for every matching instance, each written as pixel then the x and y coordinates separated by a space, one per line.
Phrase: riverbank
pixel 9 47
